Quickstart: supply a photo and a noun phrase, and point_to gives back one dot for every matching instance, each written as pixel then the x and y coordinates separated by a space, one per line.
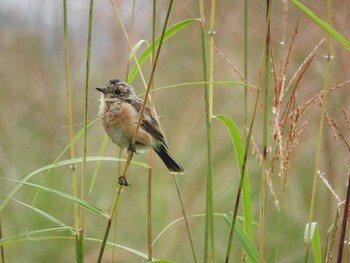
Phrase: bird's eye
pixel 117 92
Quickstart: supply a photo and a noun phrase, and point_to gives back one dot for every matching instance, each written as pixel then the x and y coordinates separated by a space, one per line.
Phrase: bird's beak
pixel 103 90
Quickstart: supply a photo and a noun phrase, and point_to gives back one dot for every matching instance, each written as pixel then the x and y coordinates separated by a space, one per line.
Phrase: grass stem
pixel 186 219
pixel 149 181
pixel 209 114
pixel 264 163
pixel 85 123
pixel 2 247
pixel 247 145
pixel 320 138
pixel 70 120
pixel 209 226
pixel 129 157
pixel 344 224
pixel 245 67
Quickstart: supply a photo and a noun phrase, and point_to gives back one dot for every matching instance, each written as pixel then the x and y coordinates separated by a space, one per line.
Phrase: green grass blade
pixel 315 241
pixel 137 47
pixel 54 165
pixel 41 212
pixel 76 137
pixel 131 250
pixel 27 236
pixel 205 78
pixel 148 51
pixel 239 150
pixel 102 150
pixel 230 83
pixel 245 241
pixel 81 202
pixel 245 65
pixel 171 224
pixel 324 25
pixel 162 261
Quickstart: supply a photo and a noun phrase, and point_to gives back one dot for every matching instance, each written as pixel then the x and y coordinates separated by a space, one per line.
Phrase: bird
pixel 119 112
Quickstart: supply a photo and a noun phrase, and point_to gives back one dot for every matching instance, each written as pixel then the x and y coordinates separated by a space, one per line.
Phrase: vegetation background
pixel 33 125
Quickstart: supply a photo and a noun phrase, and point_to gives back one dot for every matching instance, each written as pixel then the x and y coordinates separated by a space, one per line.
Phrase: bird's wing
pixel 149 123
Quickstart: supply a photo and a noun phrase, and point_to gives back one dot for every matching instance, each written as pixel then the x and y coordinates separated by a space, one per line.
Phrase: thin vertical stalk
pixel 247 143
pixel 112 216
pixel 211 57
pixel 114 236
pixel 149 209
pixel 85 122
pixel 209 114
pixel 265 136
pixel 2 247
pixel 209 226
pixel 114 221
pixel 70 120
pixel 247 225
pixel 127 163
pixel 132 18
pixel 185 218
pixel 331 236
pixel 245 67
pixel 149 181
pixel 345 220
pixel 320 136
pixel 101 152
pixel 149 192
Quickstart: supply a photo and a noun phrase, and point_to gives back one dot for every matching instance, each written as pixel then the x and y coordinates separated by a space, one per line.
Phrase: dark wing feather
pixel 149 123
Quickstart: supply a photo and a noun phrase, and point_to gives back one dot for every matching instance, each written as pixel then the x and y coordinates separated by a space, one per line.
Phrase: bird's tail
pixel 169 161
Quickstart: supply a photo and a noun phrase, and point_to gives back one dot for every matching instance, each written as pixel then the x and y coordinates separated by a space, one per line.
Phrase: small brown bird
pixel 119 112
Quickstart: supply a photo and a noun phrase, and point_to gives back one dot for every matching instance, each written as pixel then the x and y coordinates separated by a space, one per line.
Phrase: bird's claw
pixel 132 147
pixel 122 181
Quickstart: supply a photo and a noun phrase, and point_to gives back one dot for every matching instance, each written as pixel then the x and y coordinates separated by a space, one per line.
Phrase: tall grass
pixel 239 202
pixel 70 124
pixel 208 102
pixel 320 134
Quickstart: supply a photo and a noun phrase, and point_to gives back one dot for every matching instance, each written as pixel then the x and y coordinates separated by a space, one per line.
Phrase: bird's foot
pixel 132 148
pixel 122 181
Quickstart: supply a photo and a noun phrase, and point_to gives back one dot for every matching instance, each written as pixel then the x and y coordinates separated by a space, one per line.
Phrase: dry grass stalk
pixel 230 64
pixel 329 253
pixel 256 151
pixel 328 185
pixel 346 118
pixel 338 135
pixel 319 96
pixel 286 130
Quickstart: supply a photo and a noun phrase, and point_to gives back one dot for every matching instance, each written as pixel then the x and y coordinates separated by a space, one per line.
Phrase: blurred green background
pixel 33 123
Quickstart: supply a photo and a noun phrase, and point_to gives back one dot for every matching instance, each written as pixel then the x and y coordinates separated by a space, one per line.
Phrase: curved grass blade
pixel 239 151
pixel 137 47
pixel 162 261
pixel 42 213
pixel 165 229
pixel 324 25
pixel 243 187
pixel 54 165
pixel 81 202
pixel 315 241
pixel 148 51
pixel 102 150
pixel 76 137
pixel 238 83
pixel 27 236
pixel 134 251
pixel 245 241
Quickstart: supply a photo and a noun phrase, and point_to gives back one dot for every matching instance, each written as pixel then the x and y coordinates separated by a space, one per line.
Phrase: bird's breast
pixel 119 119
